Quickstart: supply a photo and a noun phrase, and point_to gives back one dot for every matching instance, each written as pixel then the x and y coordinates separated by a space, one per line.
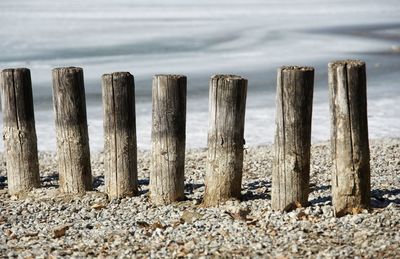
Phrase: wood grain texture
pixel 71 130
pixel 19 132
pixel 168 138
pixel 120 149
pixel 351 184
pixel 291 166
pixel 227 104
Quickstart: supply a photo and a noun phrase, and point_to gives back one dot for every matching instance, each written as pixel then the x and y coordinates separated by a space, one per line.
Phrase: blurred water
pixel 198 39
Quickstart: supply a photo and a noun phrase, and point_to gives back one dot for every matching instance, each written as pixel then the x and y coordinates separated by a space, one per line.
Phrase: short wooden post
pixel 120 150
pixel 351 184
pixel 19 132
pixel 168 139
pixel 291 166
pixel 227 104
pixel 72 133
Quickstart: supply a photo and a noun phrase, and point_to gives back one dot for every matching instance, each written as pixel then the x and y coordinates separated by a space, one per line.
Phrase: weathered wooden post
pixel 351 184
pixel 120 150
pixel 72 133
pixel 227 104
pixel 168 139
pixel 291 166
pixel 19 132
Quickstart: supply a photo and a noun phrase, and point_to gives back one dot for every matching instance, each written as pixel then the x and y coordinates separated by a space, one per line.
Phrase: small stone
pixel 31 234
pixel 97 206
pixel 8 232
pixel 357 220
pixel 333 220
pixel 302 215
pixel 258 246
pixel 327 211
pixel 60 231
pixel 189 246
pixel 196 202
pixel 143 224
pixel 317 210
pixel 157 225
pixel 190 216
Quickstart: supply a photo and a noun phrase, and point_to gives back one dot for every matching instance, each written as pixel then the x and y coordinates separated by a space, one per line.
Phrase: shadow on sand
pixel 382 198
pixel 257 190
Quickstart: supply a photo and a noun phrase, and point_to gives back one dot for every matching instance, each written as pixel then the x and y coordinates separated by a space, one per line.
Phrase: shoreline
pixel 92 226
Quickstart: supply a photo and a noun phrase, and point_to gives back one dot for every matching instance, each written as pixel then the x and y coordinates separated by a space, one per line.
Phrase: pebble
pixel 91 226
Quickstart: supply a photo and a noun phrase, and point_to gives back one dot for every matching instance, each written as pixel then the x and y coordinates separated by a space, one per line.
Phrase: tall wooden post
pixel 120 150
pixel 291 166
pixel 19 132
pixel 227 104
pixel 168 139
pixel 351 184
pixel 72 133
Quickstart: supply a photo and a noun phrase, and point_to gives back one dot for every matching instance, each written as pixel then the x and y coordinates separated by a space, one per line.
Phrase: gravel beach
pixel 47 225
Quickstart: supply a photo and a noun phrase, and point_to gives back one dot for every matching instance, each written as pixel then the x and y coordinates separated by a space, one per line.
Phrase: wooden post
pixel 72 132
pixel 19 132
pixel 168 139
pixel 120 150
pixel 227 104
pixel 351 184
pixel 291 166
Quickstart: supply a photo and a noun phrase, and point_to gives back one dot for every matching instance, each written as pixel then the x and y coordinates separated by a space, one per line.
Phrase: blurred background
pixel 250 38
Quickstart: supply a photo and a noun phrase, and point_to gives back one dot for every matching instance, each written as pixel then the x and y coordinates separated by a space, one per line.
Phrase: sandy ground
pixel 48 225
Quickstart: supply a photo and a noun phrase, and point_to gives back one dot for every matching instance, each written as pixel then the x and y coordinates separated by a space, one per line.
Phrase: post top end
pixel 347 62
pixel 227 77
pixel 19 69
pixel 169 76
pixel 68 69
pixel 297 68
pixel 118 74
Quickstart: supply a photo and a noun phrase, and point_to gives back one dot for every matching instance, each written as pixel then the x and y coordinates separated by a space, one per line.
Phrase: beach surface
pixel 48 225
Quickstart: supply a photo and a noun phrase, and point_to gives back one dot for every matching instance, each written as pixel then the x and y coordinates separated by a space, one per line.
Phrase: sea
pixel 199 38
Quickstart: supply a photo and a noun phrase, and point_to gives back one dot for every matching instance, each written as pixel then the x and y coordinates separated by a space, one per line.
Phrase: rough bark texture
pixel 225 139
pixel 351 184
pixel 19 132
pixel 291 166
pixel 168 139
pixel 72 133
pixel 120 149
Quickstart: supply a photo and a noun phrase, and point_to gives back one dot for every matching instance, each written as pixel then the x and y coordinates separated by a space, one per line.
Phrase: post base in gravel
pixel 19 134
pixel 120 150
pixel 227 104
pixel 71 129
pixel 291 165
pixel 168 137
pixel 351 180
